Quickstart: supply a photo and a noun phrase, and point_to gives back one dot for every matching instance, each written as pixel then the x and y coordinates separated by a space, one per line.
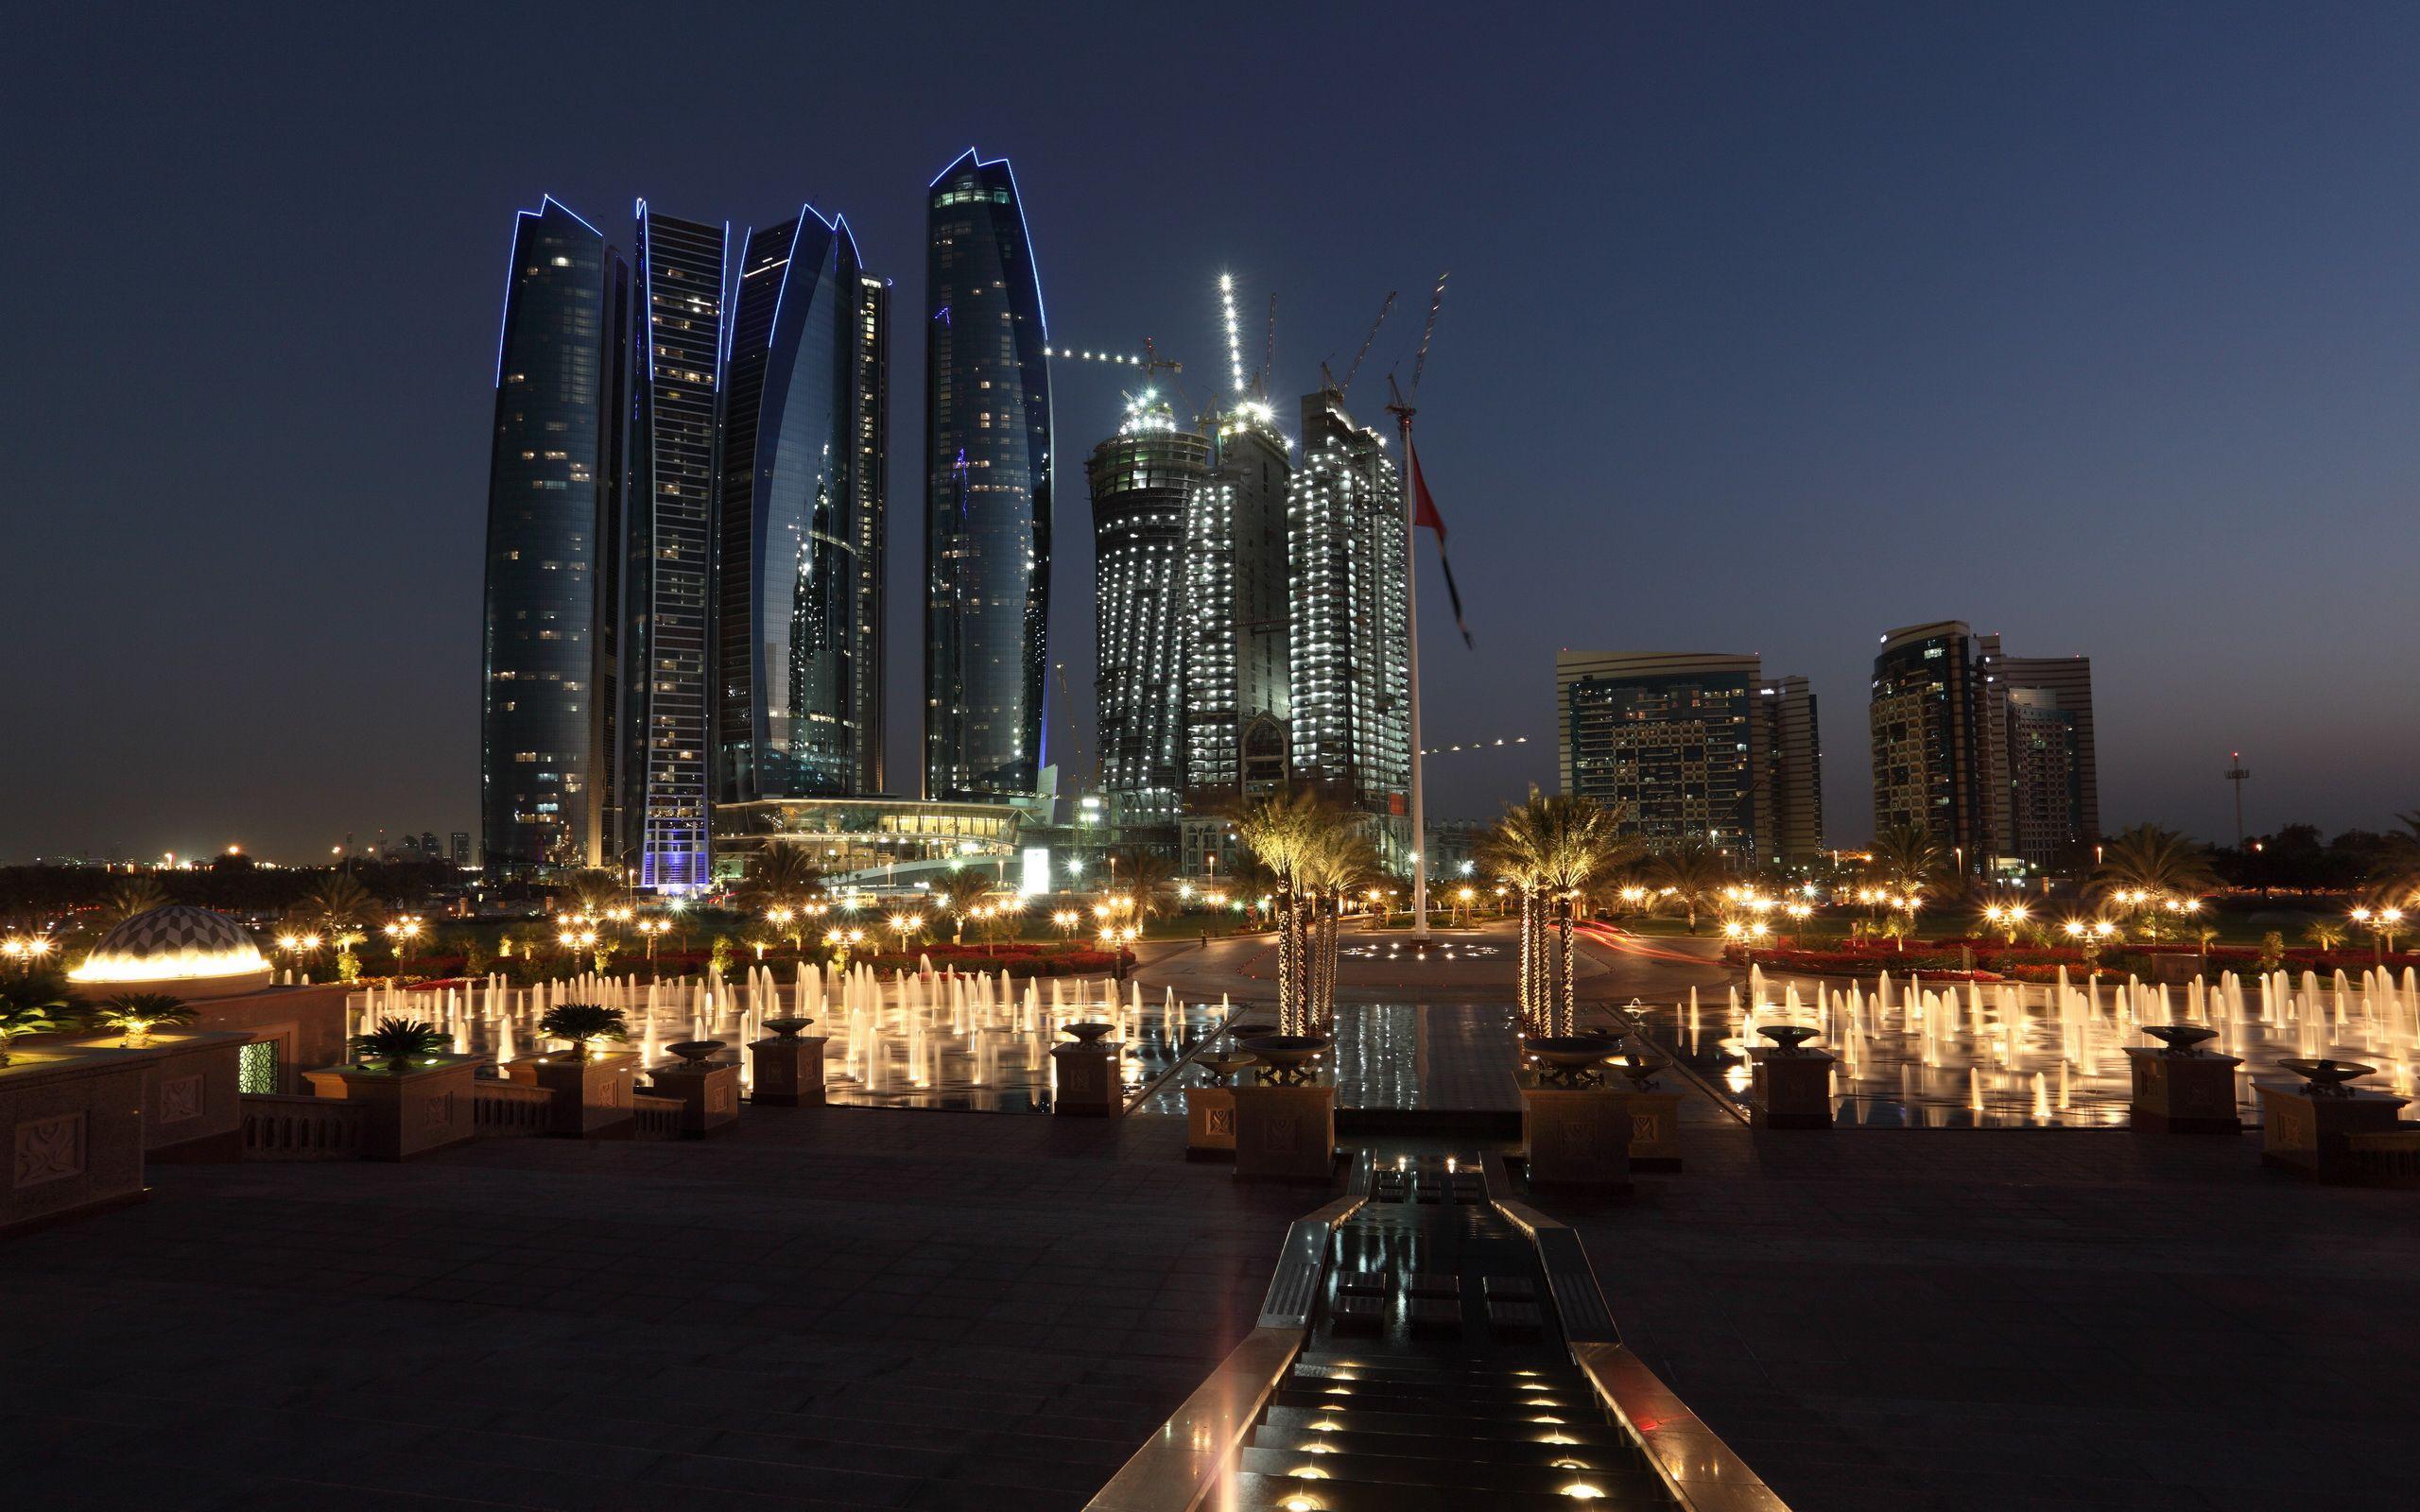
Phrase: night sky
pixel 1770 328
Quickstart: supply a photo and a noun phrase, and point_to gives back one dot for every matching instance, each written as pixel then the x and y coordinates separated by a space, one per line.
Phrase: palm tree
pixel 136 1014
pixel 338 904
pixel 781 876
pixel 1692 874
pixel 1558 847
pixel 580 1022
pixel 30 1002
pixel 1298 837
pixel 962 892
pixel 1147 875
pixel 136 895
pixel 596 890
pixel 397 1042
pixel 2324 933
pixel 2149 867
pixel 1911 858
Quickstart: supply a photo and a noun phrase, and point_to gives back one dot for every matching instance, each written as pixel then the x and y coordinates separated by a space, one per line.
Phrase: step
pixel 1579 1427
pixel 1539 1475
pixel 1440 1401
pixel 1254 1492
pixel 1414 1369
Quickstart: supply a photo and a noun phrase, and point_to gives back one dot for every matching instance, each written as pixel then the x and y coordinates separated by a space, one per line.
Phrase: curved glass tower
pixel 798 666
pixel 987 490
pixel 546 749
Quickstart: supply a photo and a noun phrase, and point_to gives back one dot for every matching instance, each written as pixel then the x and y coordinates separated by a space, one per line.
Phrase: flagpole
pixel 1411 633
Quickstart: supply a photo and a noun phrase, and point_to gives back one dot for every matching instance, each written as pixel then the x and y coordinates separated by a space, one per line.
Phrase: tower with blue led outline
pixel 987 490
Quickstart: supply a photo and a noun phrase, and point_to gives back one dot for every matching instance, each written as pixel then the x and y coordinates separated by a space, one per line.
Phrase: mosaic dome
pixel 175 944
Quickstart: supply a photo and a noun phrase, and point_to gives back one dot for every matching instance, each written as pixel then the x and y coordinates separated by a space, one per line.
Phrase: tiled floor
pixel 847 1307
pixel 1946 1321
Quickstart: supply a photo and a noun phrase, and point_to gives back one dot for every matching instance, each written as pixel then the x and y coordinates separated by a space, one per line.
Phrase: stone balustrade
pixel 280 1127
pixel 506 1110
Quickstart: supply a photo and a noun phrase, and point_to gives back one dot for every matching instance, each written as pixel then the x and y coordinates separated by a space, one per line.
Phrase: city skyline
pixel 2109 429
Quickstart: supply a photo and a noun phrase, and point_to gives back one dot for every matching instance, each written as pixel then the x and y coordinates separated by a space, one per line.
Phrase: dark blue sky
pixel 1773 327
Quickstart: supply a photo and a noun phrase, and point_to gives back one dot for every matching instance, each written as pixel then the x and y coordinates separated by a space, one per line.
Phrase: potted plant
pixel 593 1088
pixel 581 1022
pixel 400 1045
pixel 136 1014
pixel 415 1096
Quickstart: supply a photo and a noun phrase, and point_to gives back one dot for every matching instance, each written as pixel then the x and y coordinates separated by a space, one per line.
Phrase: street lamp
pixel 402 931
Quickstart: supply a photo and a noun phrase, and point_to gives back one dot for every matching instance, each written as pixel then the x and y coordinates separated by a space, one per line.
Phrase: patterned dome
pixel 172 944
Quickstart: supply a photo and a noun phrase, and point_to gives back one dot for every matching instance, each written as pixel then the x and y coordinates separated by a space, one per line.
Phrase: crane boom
pixel 1383 311
pixel 1420 359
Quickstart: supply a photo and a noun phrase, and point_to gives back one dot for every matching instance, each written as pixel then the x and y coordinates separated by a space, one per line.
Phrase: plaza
pixel 915 1307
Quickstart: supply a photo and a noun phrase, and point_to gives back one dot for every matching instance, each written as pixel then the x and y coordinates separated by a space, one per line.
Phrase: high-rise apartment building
pixel 675 460
pixel 1237 703
pixel 1993 754
pixel 555 480
pixel 987 490
pixel 1792 797
pixel 1141 479
pixel 1928 770
pixel 1675 740
pixel 2038 712
pixel 1348 635
pixel 798 666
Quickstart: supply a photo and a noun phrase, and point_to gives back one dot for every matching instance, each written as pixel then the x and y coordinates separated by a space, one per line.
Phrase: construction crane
pixel 1329 378
pixel 1401 407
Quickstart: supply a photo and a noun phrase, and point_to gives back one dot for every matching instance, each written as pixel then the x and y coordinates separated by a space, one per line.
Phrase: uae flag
pixel 1423 513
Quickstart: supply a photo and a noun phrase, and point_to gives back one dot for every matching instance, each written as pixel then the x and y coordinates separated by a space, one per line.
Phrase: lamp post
pixel 402 931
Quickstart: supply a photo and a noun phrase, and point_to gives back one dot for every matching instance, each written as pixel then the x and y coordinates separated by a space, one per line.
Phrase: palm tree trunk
pixel 1528 967
pixel 1570 992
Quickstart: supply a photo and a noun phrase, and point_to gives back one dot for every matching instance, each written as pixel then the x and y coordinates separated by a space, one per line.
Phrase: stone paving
pixel 1908 1321
pixel 836 1308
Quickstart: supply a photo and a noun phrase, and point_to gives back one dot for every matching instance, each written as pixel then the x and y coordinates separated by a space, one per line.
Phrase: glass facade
pixel 555 478
pixel 798 663
pixel 1348 638
pixel 1236 682
pixel 987 490
pixel 1922 712
pixel 675 453
pixel 1141 478
pixel 1673 740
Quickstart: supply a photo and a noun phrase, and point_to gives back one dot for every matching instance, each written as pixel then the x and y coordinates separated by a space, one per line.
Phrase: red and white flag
pixel 1423 514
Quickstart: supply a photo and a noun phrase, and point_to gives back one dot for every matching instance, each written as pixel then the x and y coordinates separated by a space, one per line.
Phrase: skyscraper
pixel 987 490
pixel 1792 794
pixel 1237 708
pixel 798 665
pixel 1675 740
pixel 2038 710
pixel 555 478
pixel 1993 755
pixel 1141 479
pixel 1928 771
pixel 1348 638
pixel 675 455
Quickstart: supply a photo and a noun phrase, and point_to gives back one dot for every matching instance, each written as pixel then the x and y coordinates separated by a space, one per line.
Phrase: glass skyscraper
pixel 1349 637
pixel 1141 478
pixel 555 479
pixel 1236 682
pixel 675 453
pixel 987 490
pixel 798 669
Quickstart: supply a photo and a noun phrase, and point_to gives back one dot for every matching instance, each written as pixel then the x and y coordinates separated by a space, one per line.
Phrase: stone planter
pixel 1654 1128
pixel 1083 1080
pixel 592 1096
pixel 1284 1133
pixel 192 1109
pixel 1793 1088
pixel 73 1119
pixel 789 1071
pixel 2182 1095
pixel 1209 1123
pixel 406 1114
pixel 1576 1137
pixel 2305 1131
pixel 708 1094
